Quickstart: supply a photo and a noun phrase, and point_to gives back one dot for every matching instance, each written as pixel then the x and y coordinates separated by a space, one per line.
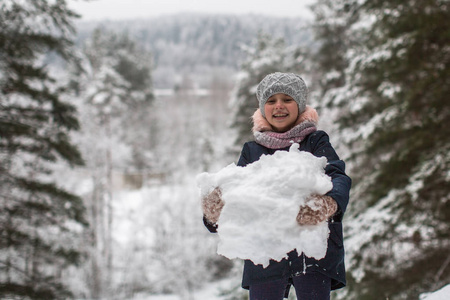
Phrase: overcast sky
pixel 128 9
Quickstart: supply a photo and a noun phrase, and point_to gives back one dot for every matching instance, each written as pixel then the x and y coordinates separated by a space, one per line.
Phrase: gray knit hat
pixel 286 83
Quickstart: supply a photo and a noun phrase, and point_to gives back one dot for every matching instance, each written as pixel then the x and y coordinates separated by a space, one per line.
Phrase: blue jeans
pixel 312 286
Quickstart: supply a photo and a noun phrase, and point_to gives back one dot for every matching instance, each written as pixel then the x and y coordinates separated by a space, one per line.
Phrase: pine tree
pixel 40 221
pixel 395 97
pixel 114 98
pixel 118 84
pixel 333 20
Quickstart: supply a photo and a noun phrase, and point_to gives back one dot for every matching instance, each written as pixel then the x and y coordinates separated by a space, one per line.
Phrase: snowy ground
pixel 212 291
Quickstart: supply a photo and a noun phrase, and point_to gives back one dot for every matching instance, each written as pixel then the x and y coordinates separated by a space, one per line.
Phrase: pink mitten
pixel 318 209
pixel 212 205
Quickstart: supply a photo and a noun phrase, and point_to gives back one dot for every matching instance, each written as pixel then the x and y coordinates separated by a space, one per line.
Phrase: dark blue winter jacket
pixel 332 264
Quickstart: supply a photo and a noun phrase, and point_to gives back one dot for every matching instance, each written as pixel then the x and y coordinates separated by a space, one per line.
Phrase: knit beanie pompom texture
pixel 285 83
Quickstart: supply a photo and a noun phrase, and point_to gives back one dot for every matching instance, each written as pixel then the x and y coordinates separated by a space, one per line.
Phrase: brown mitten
pixel 212 205
pixel 318 209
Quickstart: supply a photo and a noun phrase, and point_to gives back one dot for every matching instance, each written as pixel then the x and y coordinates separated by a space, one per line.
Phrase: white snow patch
pixel 442 294
pixel 262 200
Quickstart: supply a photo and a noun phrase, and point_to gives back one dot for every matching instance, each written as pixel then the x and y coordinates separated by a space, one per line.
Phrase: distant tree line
pixel 197 45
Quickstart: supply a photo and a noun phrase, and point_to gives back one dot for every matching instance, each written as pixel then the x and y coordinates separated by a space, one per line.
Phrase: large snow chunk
pixel 262 200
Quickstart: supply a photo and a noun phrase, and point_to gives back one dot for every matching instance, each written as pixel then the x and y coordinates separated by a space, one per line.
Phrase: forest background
pixel 104 126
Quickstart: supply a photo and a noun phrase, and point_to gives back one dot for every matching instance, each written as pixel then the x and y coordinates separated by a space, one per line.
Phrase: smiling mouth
pixel 280 115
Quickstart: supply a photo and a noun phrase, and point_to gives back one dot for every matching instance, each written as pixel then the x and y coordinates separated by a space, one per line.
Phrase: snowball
pixel 262 200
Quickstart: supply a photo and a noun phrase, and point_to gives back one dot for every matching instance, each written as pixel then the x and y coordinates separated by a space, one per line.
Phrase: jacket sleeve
pixel 321 146
pixel 244 158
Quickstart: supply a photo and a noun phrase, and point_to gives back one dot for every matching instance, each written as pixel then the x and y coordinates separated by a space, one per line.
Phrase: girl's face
pixel 281 112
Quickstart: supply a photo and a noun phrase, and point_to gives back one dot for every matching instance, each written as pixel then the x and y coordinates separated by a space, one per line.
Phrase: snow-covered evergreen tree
pixel 114 94
pixel 41 222
pixel 394 95
pixel 332 33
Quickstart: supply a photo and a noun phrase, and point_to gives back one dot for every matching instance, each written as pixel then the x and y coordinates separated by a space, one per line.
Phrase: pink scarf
pixel 266 136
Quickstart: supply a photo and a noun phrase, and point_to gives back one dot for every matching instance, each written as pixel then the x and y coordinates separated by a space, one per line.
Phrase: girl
pixel 282 118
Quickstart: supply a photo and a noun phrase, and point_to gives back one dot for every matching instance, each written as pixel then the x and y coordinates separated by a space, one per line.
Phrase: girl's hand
pixel 318 209
pixel 212 205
